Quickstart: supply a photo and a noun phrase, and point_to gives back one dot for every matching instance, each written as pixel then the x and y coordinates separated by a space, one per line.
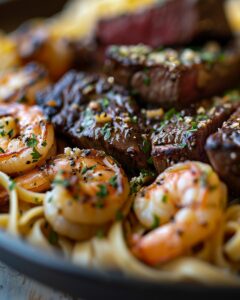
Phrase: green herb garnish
pixel 2 133
pixel 113 181
pixel 62 182
pixel 85 169
pixel 106 131
pixel 10 133
pixel 156 222
pixel 12 185
pixel 103 192
pixel 146 146
pixel 32 142
pixel 164 198
pixel 35 155
pixel 105 103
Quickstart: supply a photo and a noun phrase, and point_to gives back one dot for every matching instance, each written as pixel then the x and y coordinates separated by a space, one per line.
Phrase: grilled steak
pixel 182 135
pixel 95 113
pixel 172 22
pixel 223 149
pixel 174 77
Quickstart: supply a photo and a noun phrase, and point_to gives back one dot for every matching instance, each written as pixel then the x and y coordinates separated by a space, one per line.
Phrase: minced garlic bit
pixel 151 114
pixel 72 152
pixel 103 118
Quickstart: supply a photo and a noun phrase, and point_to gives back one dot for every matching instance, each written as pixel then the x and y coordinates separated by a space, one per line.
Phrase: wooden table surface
pixel 15 286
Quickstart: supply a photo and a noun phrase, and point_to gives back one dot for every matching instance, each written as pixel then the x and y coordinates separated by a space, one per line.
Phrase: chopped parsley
pixel 156 222
pixel 113 181
pixel 32 142
pixel 183 145
pixel 134 119
pixel 103 192
pixel 146 146
pixel 105 103
pixel 10 133
pixel 12 185
pixel 164 198
pixel 85 169
pixel 106 131
pixel 35 155
pixel 170 113
pixel 62 182
pixel 2 133
pixel 137 182
pixel 44 143
pixel 201 117
pixel 194 126
pixel 1 150
pixel 88 118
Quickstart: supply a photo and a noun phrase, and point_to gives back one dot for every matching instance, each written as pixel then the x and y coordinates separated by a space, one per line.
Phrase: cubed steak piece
pixel 21 84
pixel 223 149
pixel 95 113
pixel 174 77
pixel 169 22
pixel 182 135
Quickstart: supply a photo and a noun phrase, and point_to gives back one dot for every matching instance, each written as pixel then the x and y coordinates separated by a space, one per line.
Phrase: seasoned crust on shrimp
pixel 182 208
pixel 22 84
pixel 90 188
pixel 26 138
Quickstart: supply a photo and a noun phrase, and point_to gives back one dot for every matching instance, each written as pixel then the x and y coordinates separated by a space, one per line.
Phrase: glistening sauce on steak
pixel 182 135
pixel 95 113
pixel 174 78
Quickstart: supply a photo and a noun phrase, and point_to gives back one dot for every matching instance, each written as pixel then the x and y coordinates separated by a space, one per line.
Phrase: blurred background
pixel 21 10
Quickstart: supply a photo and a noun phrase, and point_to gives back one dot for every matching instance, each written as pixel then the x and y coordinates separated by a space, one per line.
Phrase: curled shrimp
pixel 182 208
pixel 22 84
pixel 92 191
pixel 26 138
pixel 89 189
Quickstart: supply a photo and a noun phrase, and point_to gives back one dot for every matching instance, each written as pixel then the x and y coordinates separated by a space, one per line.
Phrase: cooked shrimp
pixel 183 207
pixel 26 138
pixel 37 44
pixel 90 189
pixel 8 53
pixel 22 84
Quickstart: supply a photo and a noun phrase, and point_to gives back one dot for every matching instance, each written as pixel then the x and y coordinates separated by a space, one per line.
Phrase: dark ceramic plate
pixel 60 274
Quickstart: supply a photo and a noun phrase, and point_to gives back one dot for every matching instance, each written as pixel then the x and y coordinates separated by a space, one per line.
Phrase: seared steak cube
pixel 95 113
pixel 174 77
pixel 182 135
pixel 171 22
pixel 223 149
